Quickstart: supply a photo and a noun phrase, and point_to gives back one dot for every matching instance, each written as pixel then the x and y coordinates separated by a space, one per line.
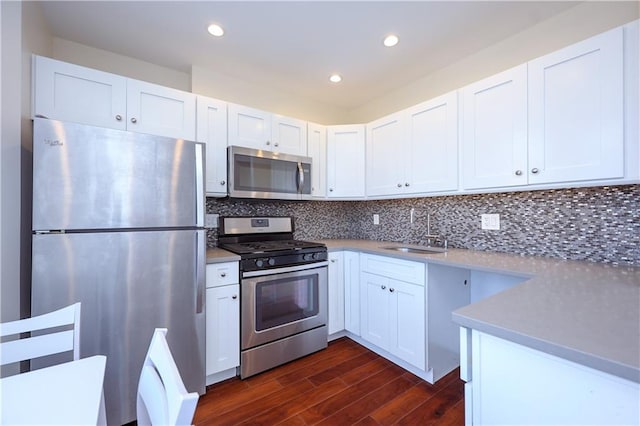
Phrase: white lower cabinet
pixel 222 321
pixel 335 320
pixel 392 314
pixel 508 383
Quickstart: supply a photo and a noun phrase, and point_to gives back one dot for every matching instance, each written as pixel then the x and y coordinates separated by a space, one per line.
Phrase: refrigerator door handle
pixel 200 195
pixel 200 270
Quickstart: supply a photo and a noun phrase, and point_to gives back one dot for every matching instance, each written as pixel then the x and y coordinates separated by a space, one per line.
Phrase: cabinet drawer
pixel 391 267
pixel 219 274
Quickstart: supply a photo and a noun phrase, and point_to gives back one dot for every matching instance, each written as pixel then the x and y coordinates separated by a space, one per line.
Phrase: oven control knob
pixel 271 262
pixel 307 256
pixel 316 255
pixel 259 263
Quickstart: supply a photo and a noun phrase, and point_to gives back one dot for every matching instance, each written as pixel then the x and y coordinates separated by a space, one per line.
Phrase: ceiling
pixel 294 46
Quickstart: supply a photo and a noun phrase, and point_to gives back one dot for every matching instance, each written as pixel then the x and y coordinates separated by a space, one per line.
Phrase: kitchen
pixel 534 222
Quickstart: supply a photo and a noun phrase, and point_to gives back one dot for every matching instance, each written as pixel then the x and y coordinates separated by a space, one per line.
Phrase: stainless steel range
pixel 283 291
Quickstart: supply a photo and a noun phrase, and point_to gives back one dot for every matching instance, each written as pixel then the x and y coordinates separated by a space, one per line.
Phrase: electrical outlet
pixel 376 219
pixel 210 221
pixel 490 221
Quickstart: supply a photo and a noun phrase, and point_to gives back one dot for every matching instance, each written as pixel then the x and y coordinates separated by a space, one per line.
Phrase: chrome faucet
pixel 434 238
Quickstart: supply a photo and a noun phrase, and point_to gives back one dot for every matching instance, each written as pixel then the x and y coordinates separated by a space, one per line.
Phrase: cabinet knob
pixel 276 144
pixel 406 184
pixel 119 117
pixel 333 261
pixel 518 172
pixel 235 296
pixel 134 120
pixel 268 143
pixel 222 182
pixel 223 274
pixel 399 185
pixel 383 287
pixel 330 189
pixel 534 170
pixel 392 290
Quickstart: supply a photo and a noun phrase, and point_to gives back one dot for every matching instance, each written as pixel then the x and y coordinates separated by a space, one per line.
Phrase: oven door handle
pixel 275 271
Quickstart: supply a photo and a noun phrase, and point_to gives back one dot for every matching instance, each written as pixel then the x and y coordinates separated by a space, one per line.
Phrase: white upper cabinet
pixel 257 129
pixel 432 142
pixel 414 151
pixel 68 92
pixel 576 116
pixel 212 130
pixel 385 156
pixel 317 150
pixel 494 131
pixel 160 110
pixel 345 161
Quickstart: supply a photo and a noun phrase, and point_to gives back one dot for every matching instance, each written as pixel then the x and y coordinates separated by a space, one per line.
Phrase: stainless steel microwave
pixel 254 173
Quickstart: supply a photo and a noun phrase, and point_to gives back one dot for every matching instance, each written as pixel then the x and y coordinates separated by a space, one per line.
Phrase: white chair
pixel 38 345
pixel 162 397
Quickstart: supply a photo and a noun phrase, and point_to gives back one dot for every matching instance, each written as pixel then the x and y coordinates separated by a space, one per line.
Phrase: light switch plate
pixel 211 221
pixel 490 221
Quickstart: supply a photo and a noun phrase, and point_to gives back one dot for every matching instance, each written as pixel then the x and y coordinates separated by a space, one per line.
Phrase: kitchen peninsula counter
pixel 585 312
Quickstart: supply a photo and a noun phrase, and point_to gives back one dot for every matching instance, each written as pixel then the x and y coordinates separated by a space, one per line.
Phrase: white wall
pixel 10 16
pixel 573 25
pixel 104 60
pixel 221 86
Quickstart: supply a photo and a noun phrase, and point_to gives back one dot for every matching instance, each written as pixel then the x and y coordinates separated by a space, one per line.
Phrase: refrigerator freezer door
pixel 87 177
pixel 129 283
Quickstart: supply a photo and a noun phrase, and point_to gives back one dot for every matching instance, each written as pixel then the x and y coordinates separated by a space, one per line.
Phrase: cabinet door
pixel 576 112
pixel 159 110
pixel 212 130
pixel 374 309
pixel 289 135
pixel 432 145
pixel 352 292
pixel 317 146
pixel 385 156
pixel 494 131
pixel 68 92
pixel 407 322
pixel 249 127
pixel 223 328
pixel 336 293
pixel 345 161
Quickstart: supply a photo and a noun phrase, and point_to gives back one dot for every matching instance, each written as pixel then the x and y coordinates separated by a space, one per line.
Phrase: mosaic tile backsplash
pixel 600 224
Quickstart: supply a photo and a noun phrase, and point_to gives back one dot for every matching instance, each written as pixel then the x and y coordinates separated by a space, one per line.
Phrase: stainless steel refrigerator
pixel 118 225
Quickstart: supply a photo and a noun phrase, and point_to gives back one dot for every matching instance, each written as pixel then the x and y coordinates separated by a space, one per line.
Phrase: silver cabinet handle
pixel 235 296
pixel 383 287
pixel 406 184
pixel 222 182
pixel 134 120
pixel 223 274
pixel 399 185
pixel 276 144
pixel 392 290
pixel 330 189
pixel 534 170
pixel 518 172
pixel 333 261
pixel 268 143
pixel 119 117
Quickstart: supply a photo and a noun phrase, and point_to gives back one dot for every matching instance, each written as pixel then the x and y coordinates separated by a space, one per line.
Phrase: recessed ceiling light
pixel 390 40
pixel 215 30
pixel 335 78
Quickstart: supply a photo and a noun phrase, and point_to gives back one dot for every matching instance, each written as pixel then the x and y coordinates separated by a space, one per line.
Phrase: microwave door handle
pixel 300 177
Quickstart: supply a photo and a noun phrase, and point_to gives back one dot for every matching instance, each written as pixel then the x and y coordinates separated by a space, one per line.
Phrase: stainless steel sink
pixel 418 250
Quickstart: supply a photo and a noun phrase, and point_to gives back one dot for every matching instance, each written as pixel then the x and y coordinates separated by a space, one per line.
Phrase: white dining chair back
pixel 162 397
pixel 39 344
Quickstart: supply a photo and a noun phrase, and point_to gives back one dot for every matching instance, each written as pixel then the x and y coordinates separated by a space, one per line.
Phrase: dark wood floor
pixel 343 385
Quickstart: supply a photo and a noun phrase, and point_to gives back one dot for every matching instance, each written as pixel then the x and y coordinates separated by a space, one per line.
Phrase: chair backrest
pixel 40 344
pixel 162 397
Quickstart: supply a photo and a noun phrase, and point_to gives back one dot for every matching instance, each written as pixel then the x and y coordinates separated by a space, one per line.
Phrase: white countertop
pixel 585 312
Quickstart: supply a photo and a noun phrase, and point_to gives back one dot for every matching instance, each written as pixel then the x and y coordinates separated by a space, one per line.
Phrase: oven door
pixel 282 302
